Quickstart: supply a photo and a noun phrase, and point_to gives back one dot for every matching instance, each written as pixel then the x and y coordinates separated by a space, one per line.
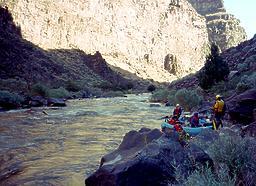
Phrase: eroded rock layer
pixel 223 28
pixel 157 39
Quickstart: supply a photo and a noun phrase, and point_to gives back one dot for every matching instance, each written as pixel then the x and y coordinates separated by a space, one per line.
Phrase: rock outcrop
pixel 141 161
pixel 158 40
pixel 241 107
pixel 223 28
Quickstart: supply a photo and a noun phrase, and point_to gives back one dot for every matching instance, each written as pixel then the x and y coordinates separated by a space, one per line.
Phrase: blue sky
pixel 245 10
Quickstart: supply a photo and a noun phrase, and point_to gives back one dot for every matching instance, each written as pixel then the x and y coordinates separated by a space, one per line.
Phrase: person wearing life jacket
pixel 173 120
pixel 219 111
pixel 183 136
pixel 177 111
pixel 194 120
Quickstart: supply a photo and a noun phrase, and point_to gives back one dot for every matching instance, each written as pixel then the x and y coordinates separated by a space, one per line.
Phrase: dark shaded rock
pixel 37 101
pixel 137 162
pixel 155 105
pixel 56 102
pixel 168 104
pixel 241 106
pixel 249 130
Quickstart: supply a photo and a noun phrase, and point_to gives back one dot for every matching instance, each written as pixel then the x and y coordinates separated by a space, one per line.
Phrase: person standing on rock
pixel 219 111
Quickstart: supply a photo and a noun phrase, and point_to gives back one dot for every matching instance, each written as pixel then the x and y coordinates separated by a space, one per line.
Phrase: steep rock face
pixel 156 39
pixel 223 28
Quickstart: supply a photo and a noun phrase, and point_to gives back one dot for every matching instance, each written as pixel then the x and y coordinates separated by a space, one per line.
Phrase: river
pixel 62 146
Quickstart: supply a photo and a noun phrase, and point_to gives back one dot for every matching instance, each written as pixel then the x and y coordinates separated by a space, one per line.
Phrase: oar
pixel 165 117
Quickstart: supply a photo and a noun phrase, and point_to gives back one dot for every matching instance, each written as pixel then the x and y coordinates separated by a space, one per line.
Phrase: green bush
pixel 171 97
pixel 113 94
pixel 10 100
pixel 188 98
pixel 151 88
pixel 73 86
pixel 214 70
pixel 39 89
pixel 160 96
pixel 58 93
pixel 206 177
pixel 236 152
pixel 105 85
pixel 13 85
pixel 246 82
pixel 242 67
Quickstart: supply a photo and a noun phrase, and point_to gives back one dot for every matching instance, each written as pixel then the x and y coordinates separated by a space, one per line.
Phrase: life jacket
pixel 178 127
pixel 177 111
pixel 219 106
pixel 194 121
pixel 172 121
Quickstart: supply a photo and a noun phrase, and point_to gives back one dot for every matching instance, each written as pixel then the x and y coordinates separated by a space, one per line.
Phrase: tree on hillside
pixel 214 70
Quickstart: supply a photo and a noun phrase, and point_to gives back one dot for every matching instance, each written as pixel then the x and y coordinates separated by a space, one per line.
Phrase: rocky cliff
pixel 158 39
pixel 223 28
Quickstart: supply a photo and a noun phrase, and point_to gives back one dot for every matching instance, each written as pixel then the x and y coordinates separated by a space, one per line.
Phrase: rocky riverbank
pixel 147 157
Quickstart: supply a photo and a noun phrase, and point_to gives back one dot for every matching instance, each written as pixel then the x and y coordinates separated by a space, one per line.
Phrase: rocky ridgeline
pixel 158 40
pixel 223 28
pixel 245 53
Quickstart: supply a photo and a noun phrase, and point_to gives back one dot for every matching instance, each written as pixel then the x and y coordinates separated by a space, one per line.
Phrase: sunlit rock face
pixel 223 28
pixel 156 39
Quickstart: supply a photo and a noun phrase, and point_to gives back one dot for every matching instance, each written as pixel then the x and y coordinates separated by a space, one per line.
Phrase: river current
pixel 63 146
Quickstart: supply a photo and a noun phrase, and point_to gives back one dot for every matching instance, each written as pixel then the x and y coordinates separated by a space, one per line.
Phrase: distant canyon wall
pixel 223 28
pixel 156 39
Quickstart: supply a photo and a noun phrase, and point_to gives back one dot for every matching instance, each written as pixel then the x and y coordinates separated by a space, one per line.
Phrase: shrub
pixel 13 85
pixel 188 98
pixel 73 86
pixel 160 95
pixel 236 152
pixel 206 177
pixel 10 100
pixel 58 93
pixel 242 67
pixel 246 82
pixel 151 88
pixel 215 69
pixel 105 85
pixel 113 94
pixel 39 89
pixel 171 97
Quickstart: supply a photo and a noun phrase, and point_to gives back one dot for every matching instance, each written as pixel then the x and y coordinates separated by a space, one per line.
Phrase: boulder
pixel 37 101
pixel 56 102
pixel 155 105
pixel 249 130
pixel 240 107
pixel 138 161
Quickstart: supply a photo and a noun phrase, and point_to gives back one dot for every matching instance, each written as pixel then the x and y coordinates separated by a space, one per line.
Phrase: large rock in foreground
pixel 137 162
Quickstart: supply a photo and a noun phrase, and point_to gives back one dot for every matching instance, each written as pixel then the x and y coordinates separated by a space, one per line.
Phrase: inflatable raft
pixel 191 131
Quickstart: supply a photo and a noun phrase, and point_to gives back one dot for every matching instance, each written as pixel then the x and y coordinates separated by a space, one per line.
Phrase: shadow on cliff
pixel 23 60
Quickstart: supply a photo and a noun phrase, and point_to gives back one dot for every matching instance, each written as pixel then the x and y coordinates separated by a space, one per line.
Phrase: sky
pixel 245 11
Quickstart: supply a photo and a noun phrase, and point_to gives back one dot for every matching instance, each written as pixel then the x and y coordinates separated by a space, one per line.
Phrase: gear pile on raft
pixel 187 125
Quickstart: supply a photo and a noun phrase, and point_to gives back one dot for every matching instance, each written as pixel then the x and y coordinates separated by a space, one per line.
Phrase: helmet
pixel 218 96
pixel 196 113
pixel 177 105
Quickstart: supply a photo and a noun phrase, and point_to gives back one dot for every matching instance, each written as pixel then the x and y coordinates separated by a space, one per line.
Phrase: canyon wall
pixel 223 28
pixel 156 39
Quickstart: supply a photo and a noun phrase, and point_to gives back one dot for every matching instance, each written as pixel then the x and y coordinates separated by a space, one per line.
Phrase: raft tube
pixel 191 131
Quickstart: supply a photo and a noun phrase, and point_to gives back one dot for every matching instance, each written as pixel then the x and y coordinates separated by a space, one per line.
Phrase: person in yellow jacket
pixel 219 111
